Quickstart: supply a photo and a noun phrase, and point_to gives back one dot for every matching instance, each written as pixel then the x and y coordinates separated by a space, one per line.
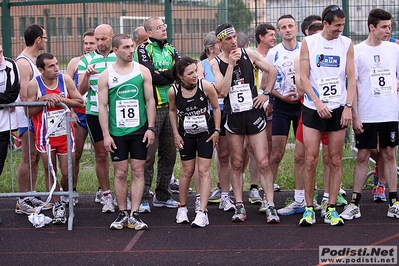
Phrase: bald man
pixel 89 69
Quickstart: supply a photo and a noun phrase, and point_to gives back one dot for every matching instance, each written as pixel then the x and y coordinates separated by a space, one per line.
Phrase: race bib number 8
pixel 329 89
pixel 240 98
pixel 381 82
pixel 127 113
pixel 195 124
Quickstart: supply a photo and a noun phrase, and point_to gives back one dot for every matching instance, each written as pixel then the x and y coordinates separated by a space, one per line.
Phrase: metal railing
pixel 70 193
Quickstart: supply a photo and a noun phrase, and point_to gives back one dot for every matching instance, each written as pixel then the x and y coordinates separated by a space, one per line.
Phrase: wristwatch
pixel 349 105
pixel 152 129
pixel 265 92
pixel 219 130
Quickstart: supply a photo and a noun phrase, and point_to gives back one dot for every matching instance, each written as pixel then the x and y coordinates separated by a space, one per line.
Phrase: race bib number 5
pixel 127 113
pixel 240 98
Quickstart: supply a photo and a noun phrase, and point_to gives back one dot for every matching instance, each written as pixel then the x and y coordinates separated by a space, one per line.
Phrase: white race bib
pixel 329 89
pixel 381 82
pixel 240 98
pixel 195 124
pixel 127 113
pixel 59 129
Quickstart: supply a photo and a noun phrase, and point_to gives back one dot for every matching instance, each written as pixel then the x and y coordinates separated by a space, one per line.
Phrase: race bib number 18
pixel 127 113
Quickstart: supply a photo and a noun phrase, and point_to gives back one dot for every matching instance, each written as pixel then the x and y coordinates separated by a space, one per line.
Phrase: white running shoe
pixel 181 216
pixel 227 204
pixel 201 219
pixel 350 211
pixel 108 204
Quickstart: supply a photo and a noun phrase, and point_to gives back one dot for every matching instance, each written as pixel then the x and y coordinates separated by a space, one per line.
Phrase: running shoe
pixel 197 203
pixel 108 204
pixel 24 207
pixel 341 201
pixel 263 206
pixel 393 211
pixel 170 203
pixel 227 204
pixel 276 187
pixel 351 211
pixel 181 216
pixel 308 217
pixel 379 193
pixel 174 186
pixel 99 196
pixel 201 219
pixel 271 215
pixel 332 217
pixel 37 202
pixel 120 222
pixel 292 207
pixel 316 205
pixel 144 207
pixel 59 214
pixel 324 205
pixel 240 215
pixel 254 196
pixel 215 196
pixel 134 222
pixel 341 190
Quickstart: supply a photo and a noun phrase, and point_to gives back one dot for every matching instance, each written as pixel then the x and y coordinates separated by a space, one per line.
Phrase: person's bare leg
pixel 28 167
pixel 102 165
pixel 278 150
pixel 205 183
pixel 236 144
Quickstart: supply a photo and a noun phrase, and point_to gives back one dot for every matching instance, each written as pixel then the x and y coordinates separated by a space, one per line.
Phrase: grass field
pixel 88 181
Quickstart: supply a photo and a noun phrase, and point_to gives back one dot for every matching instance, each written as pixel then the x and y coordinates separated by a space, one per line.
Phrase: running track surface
pixel 253 242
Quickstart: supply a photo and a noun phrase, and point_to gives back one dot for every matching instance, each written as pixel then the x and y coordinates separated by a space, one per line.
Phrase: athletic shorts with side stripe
pixel 385 134
pixel 311 118
pixel 246 123
pixel 129 144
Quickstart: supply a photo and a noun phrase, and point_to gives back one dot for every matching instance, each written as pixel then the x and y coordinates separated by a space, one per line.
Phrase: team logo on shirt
pixel 127 91
pixel 377 58
pixel 323 60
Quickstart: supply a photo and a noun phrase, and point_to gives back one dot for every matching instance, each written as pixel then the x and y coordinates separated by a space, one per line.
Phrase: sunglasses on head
pixel 333 9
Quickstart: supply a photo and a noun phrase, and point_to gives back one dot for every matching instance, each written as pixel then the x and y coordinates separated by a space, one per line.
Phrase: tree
pixel 236 13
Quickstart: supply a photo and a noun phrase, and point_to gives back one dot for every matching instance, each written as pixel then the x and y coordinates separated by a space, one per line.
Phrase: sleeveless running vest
pixel 127 106
pixel 243 74
pixel 194 114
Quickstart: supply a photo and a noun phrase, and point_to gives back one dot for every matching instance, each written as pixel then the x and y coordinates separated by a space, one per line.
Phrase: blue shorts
pixel 22 130
pixel 82 120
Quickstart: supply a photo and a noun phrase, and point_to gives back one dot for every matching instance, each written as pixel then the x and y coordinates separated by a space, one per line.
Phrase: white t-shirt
pixel 327 70
pixel 283 60
pixel 376 68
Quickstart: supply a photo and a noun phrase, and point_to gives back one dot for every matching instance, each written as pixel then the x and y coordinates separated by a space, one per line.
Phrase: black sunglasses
pixel 333 9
